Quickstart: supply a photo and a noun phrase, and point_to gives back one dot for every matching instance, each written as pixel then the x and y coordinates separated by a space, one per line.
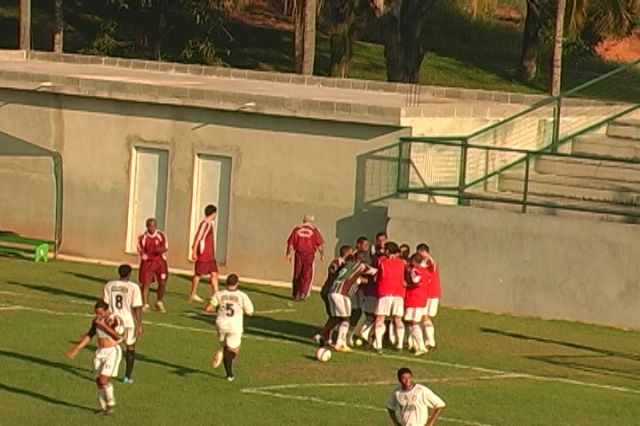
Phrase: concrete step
pixel 625 128
pixel 574 188
pixel 606 146
pixel 596 169
pixel 626 213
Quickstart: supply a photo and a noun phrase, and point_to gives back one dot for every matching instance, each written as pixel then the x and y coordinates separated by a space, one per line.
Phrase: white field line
pixel 259 391
pixel 267 311
pixel 510 374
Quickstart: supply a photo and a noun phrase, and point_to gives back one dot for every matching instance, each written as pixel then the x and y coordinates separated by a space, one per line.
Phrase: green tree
pixel 586 22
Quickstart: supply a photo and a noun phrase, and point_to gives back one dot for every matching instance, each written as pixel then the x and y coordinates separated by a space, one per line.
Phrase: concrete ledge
pixel 343 83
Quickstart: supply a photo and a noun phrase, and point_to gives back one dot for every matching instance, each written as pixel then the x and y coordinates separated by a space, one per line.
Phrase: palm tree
pixel 58 31
pixel 304 37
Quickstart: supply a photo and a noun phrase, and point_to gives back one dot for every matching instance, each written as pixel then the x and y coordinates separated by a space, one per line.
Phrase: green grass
pixel 563 368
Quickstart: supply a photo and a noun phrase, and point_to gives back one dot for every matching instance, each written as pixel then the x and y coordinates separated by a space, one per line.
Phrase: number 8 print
pixel 119 301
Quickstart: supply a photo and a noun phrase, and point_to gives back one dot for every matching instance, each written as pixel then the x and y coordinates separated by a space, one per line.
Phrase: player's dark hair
pixel 344 250
pixel 124 271
pixel 361 256
pixel 148 221
pixel 361 239
pixel 423 247
pixel 405 247
pixel 232 279
pixel 101 304
pixel 403 370
pixel 381 234
pixel 416 257
pixel 392 247
pixel 210 209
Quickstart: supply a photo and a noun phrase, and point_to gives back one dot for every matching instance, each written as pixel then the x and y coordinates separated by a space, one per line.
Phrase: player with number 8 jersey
pixel 125 300
pixel 231 304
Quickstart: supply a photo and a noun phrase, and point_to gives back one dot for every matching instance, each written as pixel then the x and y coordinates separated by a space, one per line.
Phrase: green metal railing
pixel 456 166
pixel 547 125
pixel 465 192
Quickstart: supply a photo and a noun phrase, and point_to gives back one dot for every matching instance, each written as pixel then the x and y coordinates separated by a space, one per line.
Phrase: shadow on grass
pixel 277 329
pixel 55 291
pixel 265 292
pixel 42 362
pixel 598 364
pixel 85 277
pixel 572 345
pixel 44 398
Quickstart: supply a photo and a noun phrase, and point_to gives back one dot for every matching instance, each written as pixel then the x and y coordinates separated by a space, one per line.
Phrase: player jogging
pixel 231 304
pixel 204 254
pixel 409 403
pixel 152 247
pixel 108 354
pixel 391 291
pixel 343 290
pixel 304 240
pixel 125 300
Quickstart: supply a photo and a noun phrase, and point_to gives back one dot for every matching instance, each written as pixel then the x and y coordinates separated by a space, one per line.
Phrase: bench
pixel 16 244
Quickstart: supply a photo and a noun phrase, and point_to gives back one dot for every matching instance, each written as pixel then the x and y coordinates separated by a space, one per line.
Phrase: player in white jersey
pixel 410 402
pixel 106 360
pixel 125 300
pixel 231 305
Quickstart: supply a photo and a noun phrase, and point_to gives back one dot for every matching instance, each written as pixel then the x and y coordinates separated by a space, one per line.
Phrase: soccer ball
pixel 323 354
pixel 358 342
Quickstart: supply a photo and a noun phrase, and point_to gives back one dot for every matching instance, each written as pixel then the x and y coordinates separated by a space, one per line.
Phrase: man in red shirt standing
pixel 204 254
pixel 152 247
pixel 391 291
pixel 304 240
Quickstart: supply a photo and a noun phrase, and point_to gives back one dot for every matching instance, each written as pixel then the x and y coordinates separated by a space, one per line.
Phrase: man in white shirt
pixel 231 305
pixel 125 300
pixel 409 403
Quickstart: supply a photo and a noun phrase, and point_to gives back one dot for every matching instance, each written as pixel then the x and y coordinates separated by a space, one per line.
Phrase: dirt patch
pixel 624 50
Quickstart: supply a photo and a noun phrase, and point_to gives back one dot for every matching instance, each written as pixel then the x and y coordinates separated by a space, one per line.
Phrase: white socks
pixel 379 333
pixel 343 331
pixel 399 328
pixel 365 331
pixel 430 331
pixel 416 337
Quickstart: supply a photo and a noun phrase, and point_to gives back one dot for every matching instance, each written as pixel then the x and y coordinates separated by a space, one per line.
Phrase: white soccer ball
pixel 323 354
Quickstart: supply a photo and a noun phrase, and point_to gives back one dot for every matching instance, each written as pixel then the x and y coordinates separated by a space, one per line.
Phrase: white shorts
pixel 340 305
pixel 129 337
pixel 414 314
pixel 390 306
pixel 432 307
pixel 369 304
pixel 230 340
pixel 107 360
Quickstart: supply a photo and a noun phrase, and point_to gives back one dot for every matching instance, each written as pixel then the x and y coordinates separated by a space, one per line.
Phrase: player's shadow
pixel 54 291
pixel 42 397
pixel 83 373
pixel 85 277
pixel 266 293
pixel 572 345
pixel 598 364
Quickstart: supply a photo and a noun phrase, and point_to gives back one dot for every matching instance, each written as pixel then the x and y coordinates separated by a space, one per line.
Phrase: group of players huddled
pixel 383 281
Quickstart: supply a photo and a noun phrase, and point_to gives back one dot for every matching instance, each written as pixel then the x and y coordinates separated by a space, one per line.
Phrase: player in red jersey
pixel 304 241
pixel 369 289
pixel 433 295
pixel 391 291
pixel 332 273
pixel 152 247
pixel 204 254
pixel 415 301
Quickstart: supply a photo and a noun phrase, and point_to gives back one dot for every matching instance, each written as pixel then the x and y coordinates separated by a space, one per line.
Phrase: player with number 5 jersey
pixel 231 305
pixel 125 300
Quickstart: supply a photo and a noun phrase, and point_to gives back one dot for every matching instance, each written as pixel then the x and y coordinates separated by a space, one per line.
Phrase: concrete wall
pixel 544 266
pixel 281 168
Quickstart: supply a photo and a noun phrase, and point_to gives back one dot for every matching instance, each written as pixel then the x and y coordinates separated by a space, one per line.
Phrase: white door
pixel 212 181
pixel 148 197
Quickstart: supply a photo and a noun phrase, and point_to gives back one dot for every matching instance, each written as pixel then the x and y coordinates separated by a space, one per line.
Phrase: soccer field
pixel 490 369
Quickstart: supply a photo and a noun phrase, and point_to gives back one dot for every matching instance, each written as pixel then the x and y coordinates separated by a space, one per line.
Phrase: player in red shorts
pixel 152 247
pixel 204 254
pixel 304 241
